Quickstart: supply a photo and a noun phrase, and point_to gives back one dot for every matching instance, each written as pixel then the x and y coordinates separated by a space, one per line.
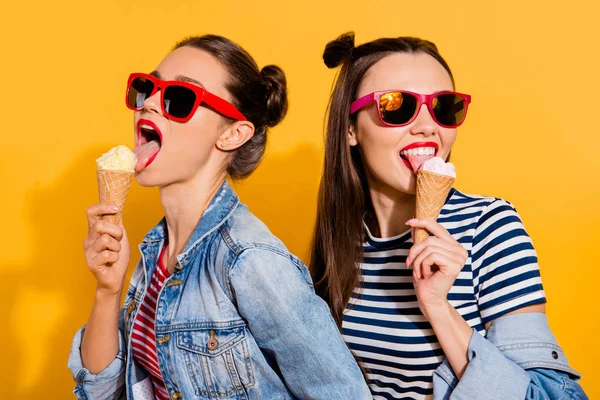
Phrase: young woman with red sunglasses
pixel 217 308
pixel 466 318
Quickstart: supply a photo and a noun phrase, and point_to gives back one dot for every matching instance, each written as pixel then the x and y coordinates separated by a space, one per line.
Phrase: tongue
pixel 417 161
pixel 145 154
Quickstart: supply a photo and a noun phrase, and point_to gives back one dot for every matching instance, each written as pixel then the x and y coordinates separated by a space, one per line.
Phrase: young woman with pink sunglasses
pixel 466 318
pixel 217 308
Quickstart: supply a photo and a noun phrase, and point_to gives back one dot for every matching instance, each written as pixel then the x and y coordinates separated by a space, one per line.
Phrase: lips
pixel 415 154
pixel 149 142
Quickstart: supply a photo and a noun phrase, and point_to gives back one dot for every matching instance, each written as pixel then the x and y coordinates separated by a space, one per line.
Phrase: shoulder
pixel 244 231
pixel 475 206
pixel 255 248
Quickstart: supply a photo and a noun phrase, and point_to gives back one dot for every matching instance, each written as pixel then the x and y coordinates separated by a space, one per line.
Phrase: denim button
pixel 555 355
pixel 131 307
pixel 212 342
pixel 162 340
pixel 176 396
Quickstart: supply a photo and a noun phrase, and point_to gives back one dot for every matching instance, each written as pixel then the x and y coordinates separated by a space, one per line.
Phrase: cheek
pixel 447 137
pixel 199 132
pixel 379 143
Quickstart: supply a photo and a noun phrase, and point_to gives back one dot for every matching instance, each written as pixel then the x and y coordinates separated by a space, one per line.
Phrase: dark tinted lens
pixel 139 90
pixel 397 108
pixel 449 109
pixel 179 101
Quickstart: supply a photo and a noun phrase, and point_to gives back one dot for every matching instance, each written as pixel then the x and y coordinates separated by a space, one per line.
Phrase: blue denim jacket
pixel 519 359
pixel 234 282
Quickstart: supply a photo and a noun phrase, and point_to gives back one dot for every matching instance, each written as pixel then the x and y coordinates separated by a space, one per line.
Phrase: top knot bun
pixel 338 50
pixel 277 102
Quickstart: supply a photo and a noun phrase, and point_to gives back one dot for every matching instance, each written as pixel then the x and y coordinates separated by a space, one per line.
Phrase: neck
pixel 184 203
pixel 391 209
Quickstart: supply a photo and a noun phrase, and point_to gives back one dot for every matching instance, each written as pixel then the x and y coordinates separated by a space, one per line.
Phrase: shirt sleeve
pixel 107 384
pixel 505 264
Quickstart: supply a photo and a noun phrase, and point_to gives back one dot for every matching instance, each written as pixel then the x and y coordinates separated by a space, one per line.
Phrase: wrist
pixel 104 295
pixel 436 310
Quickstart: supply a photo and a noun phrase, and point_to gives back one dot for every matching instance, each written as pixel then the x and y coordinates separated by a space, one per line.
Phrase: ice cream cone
pixel 113 187
pixel 432 191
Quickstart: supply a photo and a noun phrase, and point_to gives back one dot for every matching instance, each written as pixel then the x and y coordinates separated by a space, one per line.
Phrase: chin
pixel 407 184
pixel 146 178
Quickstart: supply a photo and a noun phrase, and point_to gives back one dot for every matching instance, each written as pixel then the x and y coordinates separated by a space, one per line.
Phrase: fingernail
pixel 114 207
pixel 411 221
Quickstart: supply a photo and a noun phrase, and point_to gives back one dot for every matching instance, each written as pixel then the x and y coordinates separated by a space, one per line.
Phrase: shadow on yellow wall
pixel 50 298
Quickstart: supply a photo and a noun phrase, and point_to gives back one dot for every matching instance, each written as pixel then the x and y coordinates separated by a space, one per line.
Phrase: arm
pixel 97 355
pixel 507 282
pixel 100 342
pixel 293 326
pixel 505 365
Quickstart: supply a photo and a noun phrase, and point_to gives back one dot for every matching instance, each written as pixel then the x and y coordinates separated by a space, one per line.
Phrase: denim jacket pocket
pixel 218 362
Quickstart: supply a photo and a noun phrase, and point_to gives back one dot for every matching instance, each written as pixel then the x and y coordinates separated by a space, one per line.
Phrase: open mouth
pixel 149 142
pixel 415 154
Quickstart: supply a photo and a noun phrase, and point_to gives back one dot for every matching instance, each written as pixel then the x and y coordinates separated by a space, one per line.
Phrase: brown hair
pixel 343 193
pixel 261 95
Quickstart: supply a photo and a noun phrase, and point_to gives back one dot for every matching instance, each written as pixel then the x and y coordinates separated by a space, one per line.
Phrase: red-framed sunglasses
pixel 179 100
pixel 401 107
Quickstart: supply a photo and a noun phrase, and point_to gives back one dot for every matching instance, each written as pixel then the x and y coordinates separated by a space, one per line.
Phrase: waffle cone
pixel 432 191
pixel 113 187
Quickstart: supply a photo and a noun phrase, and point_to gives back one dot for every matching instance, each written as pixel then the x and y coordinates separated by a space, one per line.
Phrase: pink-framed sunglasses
pixel 401 107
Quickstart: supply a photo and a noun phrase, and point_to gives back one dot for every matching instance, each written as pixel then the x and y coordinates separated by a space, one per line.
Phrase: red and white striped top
pixel 143 337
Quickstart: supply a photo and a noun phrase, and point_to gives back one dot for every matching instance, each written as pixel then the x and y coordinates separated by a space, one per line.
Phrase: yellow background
pixel 531 137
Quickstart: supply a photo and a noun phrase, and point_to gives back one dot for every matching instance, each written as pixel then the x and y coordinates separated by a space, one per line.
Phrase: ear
pixel 235 136
pixel 352 139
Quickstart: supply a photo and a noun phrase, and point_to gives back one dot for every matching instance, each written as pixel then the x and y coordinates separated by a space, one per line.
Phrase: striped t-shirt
pixel 383 324
pixel 143 337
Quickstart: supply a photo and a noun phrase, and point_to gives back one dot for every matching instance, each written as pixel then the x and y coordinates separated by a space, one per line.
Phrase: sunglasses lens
pixel 397 108
pixel 139 90
pixel 449 109
pixel 179 101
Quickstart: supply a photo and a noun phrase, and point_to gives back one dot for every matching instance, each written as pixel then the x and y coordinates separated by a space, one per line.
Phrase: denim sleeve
pixel 520 359
pixel 293 326
pixel 109 384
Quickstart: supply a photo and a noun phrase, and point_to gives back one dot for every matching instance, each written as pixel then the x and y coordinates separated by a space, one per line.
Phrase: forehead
pixel 420 73
pixel 196 64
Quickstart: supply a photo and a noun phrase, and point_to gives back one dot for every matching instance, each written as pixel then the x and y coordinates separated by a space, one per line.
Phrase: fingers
pixel 101 259
pixel 95 212
pixel 105 249
pixel 101 228
pixel 425 269
pixel 431 226
pixel 430 241
pixel 106 242
pixel 427 266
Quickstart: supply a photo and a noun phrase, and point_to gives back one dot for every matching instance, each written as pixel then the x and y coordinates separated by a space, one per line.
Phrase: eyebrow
pixel 181 78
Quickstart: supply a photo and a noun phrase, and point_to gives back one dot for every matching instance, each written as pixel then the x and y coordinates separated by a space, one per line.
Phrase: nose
pixel 424 123
pixel 152 103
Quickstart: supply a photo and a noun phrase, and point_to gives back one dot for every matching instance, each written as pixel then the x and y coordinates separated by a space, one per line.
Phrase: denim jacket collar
pixel 219 210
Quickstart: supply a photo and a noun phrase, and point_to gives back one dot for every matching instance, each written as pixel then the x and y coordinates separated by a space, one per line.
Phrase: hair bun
pixel 277 102
pixel 338 50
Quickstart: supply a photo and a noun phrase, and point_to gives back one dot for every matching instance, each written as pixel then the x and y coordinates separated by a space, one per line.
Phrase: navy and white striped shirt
pixel 383 324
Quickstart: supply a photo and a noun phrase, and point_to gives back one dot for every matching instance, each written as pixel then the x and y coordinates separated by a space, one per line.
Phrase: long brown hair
pixel 343 193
